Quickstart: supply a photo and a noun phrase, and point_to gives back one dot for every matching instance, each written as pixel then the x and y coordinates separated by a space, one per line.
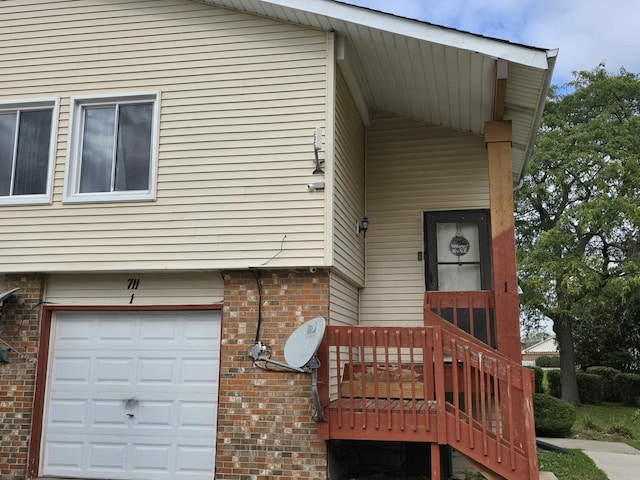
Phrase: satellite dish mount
pixel 300 354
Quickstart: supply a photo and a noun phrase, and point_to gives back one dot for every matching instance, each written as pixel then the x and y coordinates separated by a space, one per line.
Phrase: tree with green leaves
pixel 609 334
pixel 578 209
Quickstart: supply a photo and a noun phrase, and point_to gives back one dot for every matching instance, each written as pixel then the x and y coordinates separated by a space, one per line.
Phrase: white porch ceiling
pixel 426 72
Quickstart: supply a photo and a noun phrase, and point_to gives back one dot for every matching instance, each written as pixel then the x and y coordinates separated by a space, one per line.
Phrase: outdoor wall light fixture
pixel 317 146
pixel 315 186
pixel 363 226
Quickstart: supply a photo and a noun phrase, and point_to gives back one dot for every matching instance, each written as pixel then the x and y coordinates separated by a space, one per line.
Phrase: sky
pixel 586 32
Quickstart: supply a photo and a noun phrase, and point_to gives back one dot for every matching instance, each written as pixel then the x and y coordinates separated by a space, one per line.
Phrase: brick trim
pixel 265 424
pixel 20 319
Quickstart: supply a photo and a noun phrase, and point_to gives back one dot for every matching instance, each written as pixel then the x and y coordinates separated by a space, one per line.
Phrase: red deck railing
pixel 473 312
pixel 429 384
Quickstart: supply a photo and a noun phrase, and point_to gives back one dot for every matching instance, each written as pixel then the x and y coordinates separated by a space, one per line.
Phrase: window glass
pixel 7 139
pixel 32 155
pixel 134 147
pixel 113 150
pixel 24 165
pixel 97 149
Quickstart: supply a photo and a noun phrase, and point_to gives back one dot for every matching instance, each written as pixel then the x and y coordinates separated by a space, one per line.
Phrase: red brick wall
pixel 534 356
pixel 20 326
pixel 265 425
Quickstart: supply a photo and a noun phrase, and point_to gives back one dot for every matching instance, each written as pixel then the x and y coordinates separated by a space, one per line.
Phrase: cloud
pixel 587 32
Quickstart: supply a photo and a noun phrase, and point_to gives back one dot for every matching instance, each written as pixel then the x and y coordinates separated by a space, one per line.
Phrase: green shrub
pixel 546 361
pixel 590 388
pixel 629 387
pixel 543 361
pixel 553 383
pixel 553 417
pixel 554 362
pixel 539 378
pixel 610 389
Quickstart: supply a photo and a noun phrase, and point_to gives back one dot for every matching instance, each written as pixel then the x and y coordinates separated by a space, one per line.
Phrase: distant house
pixel 547 347
pixel 184 184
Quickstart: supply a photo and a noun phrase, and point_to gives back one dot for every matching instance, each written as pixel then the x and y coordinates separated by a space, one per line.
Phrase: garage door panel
pixel 153 369
pixel 156 415
pixel 104 457
pixel 113 371
pixel 68 412
pixel 71 370
pixel 151 458
pixel 197 415
pixel 192 459
pixel 156 371
pixel 133 396
pixel 195 333
pixel 64 454
pixel 120 331
pixel 74 331
pixel 108 413
pixel 198 372
pixel 158 330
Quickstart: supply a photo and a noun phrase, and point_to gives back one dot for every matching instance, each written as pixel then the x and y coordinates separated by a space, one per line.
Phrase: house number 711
pixel 133 284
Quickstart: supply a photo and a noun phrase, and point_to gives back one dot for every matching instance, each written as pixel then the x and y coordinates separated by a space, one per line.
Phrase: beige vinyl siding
pixel 412 167
pixel 343 310
pixel 343 302
pixel 197 288
pixel 349 185
pixel 241 96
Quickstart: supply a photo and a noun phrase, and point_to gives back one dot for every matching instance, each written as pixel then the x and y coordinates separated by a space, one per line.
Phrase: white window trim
pixel 35 103
pixel 72 174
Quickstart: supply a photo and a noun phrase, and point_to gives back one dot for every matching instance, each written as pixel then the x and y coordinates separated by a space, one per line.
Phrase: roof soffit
pixel 426 72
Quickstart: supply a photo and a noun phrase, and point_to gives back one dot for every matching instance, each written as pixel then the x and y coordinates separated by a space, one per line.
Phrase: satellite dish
pixel 300 349
pixel 300 354
pixel 7 294
pixel 303 344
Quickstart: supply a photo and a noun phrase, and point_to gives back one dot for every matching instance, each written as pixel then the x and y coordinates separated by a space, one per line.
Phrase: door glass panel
pixel 458 278
pixel 458 272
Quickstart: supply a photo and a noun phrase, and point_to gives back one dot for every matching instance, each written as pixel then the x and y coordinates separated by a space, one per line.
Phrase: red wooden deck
pixel 434 384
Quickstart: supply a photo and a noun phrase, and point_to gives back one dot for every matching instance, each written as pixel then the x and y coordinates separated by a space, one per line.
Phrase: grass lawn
pixel 607 422
pixel 570 467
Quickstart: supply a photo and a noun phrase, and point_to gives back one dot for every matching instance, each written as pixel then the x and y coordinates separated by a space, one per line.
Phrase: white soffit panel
pixel 427 72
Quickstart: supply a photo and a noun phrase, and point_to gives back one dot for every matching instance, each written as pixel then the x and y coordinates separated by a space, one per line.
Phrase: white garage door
pixel 132 395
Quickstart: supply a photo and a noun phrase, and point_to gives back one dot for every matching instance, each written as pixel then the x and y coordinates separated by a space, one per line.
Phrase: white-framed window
pixel 27 150
pixel 113 154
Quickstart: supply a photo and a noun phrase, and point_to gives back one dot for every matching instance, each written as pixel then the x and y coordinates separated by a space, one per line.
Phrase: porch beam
pixel 498 138
pixel 501 89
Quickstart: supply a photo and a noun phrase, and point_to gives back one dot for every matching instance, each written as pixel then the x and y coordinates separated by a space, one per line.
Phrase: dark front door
pixel 457 251
pixel 458 259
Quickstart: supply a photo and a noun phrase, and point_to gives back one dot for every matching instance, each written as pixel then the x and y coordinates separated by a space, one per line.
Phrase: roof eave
pixel 525 55
pixel 551 61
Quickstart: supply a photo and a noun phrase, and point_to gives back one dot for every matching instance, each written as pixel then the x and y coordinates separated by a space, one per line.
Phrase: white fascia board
pixel 538 115
pixel 529 56
pixel 344 62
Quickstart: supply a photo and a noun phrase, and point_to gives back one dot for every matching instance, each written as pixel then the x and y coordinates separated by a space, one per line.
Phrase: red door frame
pixel 33 458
